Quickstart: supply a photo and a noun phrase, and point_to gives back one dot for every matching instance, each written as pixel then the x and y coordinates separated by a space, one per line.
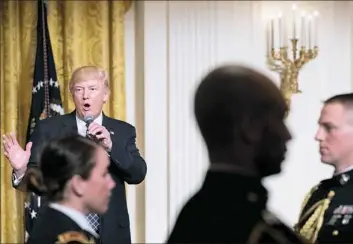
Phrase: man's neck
pixel 76 205
pixel 231 168
pixel 341 170
pixel 99 116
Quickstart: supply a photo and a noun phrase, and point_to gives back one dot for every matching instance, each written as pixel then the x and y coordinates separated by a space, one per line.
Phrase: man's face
pixel 272 148
pixel 89 97
pixel 99 185
pixel 335 135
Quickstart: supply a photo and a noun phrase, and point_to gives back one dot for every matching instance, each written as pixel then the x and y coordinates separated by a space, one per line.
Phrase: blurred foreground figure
pixel 73 174
pixel 240 113
pixel 326 215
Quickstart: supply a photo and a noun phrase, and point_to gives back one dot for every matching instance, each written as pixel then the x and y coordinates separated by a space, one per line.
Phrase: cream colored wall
pixel 169 45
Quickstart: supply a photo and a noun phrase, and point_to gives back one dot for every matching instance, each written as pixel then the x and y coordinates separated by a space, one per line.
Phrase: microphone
pixel 88 119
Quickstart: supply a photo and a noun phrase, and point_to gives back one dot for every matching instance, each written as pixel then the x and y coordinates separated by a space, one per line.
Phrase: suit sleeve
pixel 129 162
pixel 37 138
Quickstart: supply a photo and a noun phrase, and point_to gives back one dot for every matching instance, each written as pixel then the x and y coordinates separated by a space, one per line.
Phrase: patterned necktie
pixel 93 220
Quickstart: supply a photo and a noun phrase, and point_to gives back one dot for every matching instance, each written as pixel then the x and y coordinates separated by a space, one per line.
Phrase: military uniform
pixel 230 208
pixel 327 211
pixel 54 227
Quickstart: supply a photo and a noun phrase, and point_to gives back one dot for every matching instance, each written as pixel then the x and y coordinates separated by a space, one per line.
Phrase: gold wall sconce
pixel 288 61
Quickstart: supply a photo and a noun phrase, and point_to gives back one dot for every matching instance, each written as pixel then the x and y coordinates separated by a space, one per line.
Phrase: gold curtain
pixel 82 33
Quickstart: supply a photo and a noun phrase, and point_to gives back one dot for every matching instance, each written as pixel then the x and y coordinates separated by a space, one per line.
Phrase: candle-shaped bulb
pixel 303 29
pixel 294 28
pixel 272 33
pixel 280 30
pixel 310 31
pixel 316 28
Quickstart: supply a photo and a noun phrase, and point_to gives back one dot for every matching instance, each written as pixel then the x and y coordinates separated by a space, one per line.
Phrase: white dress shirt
pixel 81 125
pixel 81 129
pixel 76 216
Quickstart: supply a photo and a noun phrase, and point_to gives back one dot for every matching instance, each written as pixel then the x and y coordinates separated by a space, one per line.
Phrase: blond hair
pixel 89 73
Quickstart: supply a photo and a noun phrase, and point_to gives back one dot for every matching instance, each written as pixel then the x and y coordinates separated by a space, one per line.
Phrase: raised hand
pixel 15 154
pixel 102 134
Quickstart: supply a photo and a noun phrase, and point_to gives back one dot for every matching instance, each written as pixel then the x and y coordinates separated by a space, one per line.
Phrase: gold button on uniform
pixel 335 232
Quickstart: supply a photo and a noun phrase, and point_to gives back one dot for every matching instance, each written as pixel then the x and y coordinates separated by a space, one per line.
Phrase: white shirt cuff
pixel 16 180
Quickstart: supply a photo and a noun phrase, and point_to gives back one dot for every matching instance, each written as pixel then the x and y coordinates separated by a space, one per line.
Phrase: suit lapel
pixel 69 125
pixel 107 123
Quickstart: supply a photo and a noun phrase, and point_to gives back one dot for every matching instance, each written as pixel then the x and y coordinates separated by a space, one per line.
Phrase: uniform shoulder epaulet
pixel 71 237
pixel 308 196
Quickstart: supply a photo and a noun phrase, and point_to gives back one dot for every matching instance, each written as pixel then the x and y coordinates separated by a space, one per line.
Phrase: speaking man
pixel 89 87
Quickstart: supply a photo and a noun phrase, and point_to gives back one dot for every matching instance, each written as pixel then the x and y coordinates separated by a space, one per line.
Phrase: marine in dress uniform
pixel 230 208
pixel 327 211
pixel 73 175
pixel 59 224
pixel 240 114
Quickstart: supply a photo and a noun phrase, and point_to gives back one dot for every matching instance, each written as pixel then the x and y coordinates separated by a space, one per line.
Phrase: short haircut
pixel 88 72
pixel 227 96
pixel 60 160
pixel 346 99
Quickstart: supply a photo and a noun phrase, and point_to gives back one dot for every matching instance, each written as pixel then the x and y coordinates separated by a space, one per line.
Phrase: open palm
pixel 14 152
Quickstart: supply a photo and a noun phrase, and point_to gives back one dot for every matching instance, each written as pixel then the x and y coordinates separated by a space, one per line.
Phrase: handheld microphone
pixel 88 120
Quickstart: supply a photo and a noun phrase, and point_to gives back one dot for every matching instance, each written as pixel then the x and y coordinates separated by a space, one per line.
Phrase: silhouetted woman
pixel 73 175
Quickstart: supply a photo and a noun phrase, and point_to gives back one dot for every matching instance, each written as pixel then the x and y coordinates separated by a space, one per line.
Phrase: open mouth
pixel 86 106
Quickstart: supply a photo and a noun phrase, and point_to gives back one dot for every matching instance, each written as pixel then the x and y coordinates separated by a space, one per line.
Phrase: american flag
pixel 46 99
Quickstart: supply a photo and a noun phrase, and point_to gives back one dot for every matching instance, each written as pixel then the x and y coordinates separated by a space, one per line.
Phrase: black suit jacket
pixel 230 208
pixel 127 165
pixel 53 227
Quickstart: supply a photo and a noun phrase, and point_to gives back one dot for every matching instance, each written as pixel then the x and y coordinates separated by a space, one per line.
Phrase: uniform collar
pixel 232 184
pixel 340 179
pixel 344 171
pixel 76 216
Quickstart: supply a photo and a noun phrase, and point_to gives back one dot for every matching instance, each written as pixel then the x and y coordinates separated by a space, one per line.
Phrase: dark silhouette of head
pixel 73 171
pixel 240 113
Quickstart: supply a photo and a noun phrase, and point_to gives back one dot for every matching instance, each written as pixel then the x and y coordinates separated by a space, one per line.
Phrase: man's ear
pixel 252 130
pixel 106 94
pixel 78 185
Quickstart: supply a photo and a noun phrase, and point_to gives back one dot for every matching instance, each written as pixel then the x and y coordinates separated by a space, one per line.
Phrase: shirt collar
pixel 78 217
pixel 98 120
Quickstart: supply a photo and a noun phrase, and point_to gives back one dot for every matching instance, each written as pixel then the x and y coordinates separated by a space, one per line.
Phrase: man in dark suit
pixel 327 210
pixel 240 113
pixel 90 90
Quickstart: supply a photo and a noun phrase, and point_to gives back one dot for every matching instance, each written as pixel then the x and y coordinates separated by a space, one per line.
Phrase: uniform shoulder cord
pixel 312 226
